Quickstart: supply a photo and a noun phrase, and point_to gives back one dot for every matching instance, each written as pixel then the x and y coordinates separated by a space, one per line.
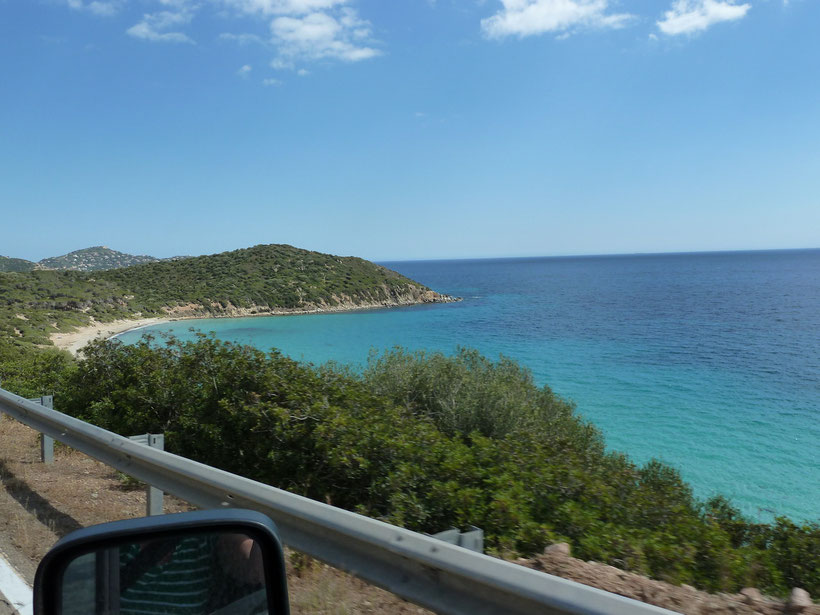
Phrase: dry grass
pixel 40 503
pixel 318 589
pixel 19 535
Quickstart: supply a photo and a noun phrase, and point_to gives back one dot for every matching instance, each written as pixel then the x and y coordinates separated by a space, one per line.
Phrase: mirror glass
pixel 192 574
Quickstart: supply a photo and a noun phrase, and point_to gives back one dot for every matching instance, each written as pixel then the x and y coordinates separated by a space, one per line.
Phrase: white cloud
pixel 529 17
pixel 245 71
pixel 282 7
pixel 103 9
pixel 243 39
pixel 177 4
pixel 270 82
pixel 281 64
pixel 155 26
pixel 319 35
pixel 692 16
pixel 307 30
pixel 297 31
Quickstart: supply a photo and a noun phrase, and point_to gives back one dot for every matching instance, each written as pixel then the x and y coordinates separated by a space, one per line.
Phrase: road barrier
pixel 422 569
pixel 153 496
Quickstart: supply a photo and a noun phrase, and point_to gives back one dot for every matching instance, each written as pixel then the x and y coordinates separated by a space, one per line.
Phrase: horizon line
pixel 595 255
pixel 459 258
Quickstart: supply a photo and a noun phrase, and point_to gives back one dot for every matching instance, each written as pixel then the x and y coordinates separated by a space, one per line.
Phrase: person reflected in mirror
pixel 189 575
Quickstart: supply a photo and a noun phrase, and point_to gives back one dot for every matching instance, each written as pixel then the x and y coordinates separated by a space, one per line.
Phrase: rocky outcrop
pixel 413 295
pixel 557 561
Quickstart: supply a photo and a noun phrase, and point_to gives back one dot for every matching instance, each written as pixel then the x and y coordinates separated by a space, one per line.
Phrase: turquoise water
pixel 709 362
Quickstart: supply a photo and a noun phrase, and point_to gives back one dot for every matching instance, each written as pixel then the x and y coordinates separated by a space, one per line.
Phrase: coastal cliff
pixel 344 303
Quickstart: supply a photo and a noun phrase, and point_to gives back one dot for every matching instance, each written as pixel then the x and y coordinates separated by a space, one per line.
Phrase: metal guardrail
pixel 472 539
pixel 153 496
pixel 441 577
pixel 46 442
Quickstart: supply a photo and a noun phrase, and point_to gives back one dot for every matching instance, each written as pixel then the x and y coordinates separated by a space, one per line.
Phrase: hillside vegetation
pixel 15 264
pixel 97 258
pixel 267 278
pixel 430 442
pixel 262 279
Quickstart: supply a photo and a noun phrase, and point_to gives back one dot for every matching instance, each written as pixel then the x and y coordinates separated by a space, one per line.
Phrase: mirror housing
pixel 216 555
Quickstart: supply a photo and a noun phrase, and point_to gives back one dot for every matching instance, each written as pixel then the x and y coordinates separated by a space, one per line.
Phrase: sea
pixel 709 362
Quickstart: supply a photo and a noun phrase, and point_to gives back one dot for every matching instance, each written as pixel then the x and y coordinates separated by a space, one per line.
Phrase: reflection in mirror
pixel 187 574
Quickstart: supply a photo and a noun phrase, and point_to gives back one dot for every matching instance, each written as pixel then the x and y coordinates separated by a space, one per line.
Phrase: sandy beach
pixel 75 340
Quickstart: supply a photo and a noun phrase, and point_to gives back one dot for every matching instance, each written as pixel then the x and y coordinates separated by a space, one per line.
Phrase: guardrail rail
pixel 429 572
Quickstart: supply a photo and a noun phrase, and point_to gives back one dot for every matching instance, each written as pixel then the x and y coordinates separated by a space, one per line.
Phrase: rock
pixel 751 595
pixel 559 548
pixel 799 599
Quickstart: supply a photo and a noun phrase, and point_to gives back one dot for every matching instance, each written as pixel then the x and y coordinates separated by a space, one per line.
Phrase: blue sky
pixel 403 129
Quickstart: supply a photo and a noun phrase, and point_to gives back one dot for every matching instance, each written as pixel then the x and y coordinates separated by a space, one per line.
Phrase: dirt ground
pixel 682 599
pixel 39 504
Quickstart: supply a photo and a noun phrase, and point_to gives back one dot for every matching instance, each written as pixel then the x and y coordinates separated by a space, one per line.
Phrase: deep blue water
pixel 708 361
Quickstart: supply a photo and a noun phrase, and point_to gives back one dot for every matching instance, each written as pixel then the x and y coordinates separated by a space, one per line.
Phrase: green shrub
pixel 29 371
pixel 410 441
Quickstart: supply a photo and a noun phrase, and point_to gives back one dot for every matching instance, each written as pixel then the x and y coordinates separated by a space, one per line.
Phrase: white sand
pixel 75 340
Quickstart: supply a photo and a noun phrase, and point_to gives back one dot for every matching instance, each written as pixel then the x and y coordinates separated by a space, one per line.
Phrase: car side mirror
pixel 210 562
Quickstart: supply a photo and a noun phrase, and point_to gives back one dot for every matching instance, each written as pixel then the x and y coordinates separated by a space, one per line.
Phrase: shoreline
pixel 74 341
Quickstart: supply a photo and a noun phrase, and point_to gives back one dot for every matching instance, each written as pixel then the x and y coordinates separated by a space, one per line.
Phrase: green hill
pixel 258 280
pixel 98 258
pixel 265 278
pixel 15 264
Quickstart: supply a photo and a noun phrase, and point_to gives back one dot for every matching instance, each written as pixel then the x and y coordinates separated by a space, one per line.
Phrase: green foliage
pixel 398 443
pixel 31 372
pixel 795 552
pixel 98 258
pixel 36 304
pixel 267 277
pixel 468 392
pixel 15 264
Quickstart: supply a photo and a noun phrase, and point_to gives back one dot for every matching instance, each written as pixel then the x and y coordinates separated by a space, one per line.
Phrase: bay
pixel 707 361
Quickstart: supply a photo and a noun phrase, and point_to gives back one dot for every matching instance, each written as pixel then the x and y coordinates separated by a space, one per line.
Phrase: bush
pixel 468 393
pixel 29 371
pixel 412 441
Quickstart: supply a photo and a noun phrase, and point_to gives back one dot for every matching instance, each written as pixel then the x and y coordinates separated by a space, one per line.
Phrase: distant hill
pixel 265 279
pixel 15 264
pixel 98 258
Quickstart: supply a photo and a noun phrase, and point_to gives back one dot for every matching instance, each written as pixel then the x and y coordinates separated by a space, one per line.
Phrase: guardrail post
pixel 155 496
pixel 472 539
pixel 47 442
